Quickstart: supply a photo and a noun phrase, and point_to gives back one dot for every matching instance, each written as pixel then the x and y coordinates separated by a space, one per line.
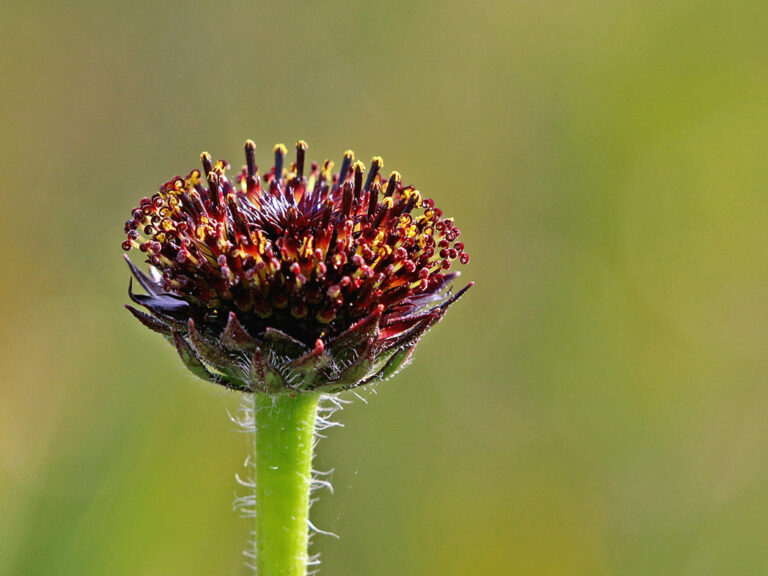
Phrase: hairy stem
pixel 282 447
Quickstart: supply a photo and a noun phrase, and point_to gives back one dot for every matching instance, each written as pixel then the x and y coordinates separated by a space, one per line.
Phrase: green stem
pixel 284 434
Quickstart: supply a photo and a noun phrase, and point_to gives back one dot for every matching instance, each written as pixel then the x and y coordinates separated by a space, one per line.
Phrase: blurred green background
pixel 595 406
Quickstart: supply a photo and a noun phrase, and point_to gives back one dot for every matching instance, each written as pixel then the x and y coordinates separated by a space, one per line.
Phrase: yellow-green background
pixel 597 405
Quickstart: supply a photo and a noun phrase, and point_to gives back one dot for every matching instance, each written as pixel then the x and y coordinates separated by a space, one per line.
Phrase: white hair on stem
pixel 245 504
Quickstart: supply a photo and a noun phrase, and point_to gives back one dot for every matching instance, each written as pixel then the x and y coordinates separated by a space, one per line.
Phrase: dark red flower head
pixel 298 279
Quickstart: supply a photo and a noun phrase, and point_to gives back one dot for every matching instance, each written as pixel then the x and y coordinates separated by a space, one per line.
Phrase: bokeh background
pixel 596 405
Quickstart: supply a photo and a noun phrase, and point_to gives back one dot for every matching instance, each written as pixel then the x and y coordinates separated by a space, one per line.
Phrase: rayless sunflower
pixel 292 281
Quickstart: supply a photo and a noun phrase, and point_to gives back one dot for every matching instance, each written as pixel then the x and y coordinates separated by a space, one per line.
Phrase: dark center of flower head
pixel 309 252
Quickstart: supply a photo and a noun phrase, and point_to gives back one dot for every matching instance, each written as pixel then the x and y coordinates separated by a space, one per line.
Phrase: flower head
pixel 300 279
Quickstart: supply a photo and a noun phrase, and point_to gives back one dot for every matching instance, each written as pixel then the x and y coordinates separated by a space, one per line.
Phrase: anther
pixel 237 218
pixel 346 201
pixel 381 214
pixel 197 203
pixel 349 156
pixel 394 180
pixel 301 150
pixel 205 158
pixel 213 189
pixel 250 157
pixel 411 203
pixel 327 211
pixel 359 167
pixel 280 152
pixel 373 198
pixel 376 165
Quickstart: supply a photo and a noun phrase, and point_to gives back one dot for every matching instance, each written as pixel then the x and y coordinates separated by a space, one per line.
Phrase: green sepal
pixel 307 371
pixel 236 338
pixel 396 362
pixel 193 363
pixel 282 344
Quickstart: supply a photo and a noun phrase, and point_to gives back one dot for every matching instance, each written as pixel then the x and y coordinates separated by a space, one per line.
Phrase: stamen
pixel 327 212
pixel 301 149
pixel 205 158
pixel 280 152
pixel 345 164
pixel 240 224
pixel 250 157
pixel 376 164
pixel 382 213
pixel 346 201
pixel 373 198
pixel 411 202
pixel 213 189
pixel 359 167
pixel 394 180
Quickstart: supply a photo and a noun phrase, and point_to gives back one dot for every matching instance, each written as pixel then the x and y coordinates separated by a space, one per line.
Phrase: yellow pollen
pixel 306 247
